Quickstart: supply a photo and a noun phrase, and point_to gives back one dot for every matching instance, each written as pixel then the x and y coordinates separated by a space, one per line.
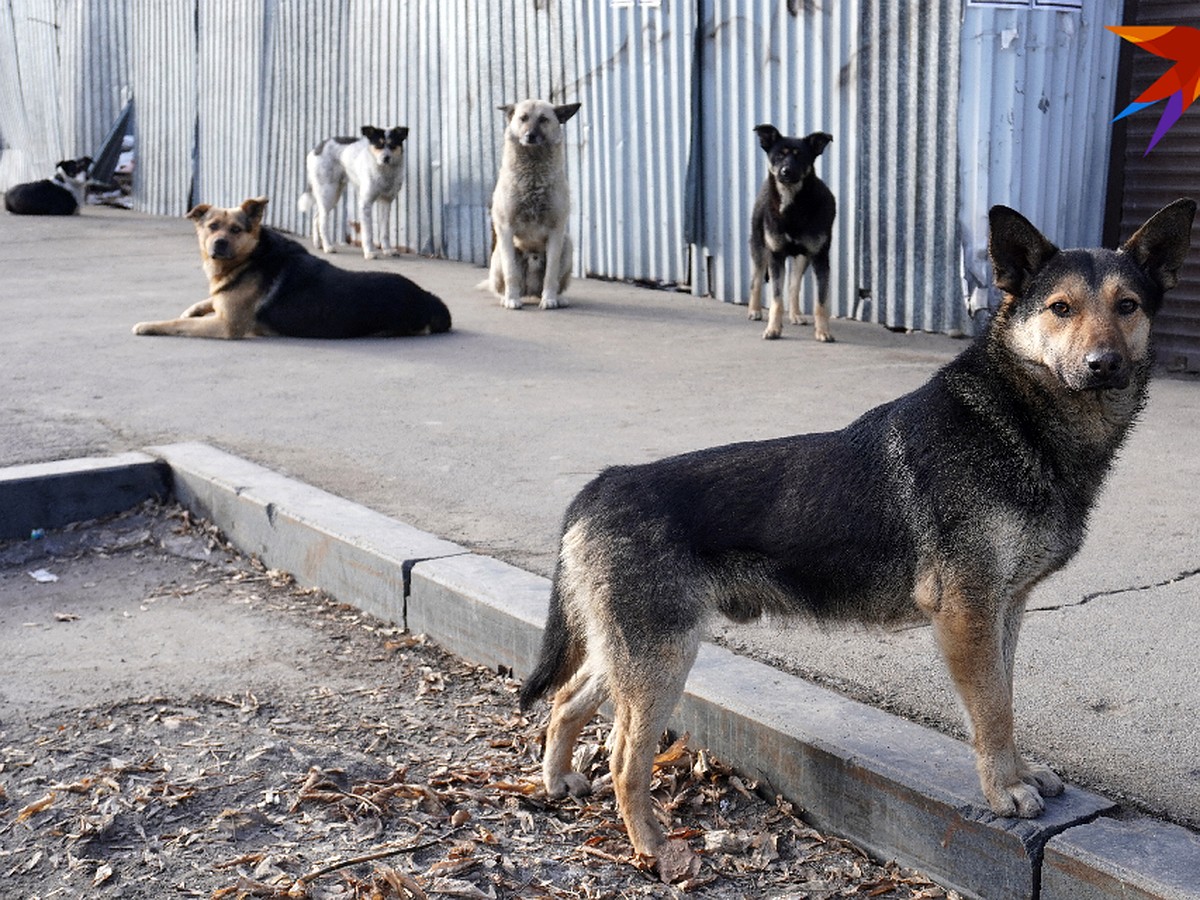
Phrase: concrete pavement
pixel 482 436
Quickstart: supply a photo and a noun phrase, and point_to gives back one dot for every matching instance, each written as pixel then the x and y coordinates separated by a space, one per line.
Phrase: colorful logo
pixel 1180 85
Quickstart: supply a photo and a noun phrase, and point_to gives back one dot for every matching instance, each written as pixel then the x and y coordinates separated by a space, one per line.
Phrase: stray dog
pixel 60 196
pixel 374 163
pixel 949 503
pixel 793 217
pixel 531 250
pixel 260 282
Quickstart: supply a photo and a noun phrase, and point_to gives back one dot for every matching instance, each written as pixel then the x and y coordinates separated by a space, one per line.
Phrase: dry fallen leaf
pixel 35 807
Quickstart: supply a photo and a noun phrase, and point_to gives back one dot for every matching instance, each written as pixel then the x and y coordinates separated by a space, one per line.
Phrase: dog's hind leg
pixel 821 317
pixel 574 705
pixel 384 225
pixel 795 280
pixel 644 695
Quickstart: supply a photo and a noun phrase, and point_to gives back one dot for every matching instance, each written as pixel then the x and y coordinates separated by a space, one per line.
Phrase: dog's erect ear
pixel 767 135
pixel 1018 250
pixel 819 140
pixel 399 134
pixel 199 211
pixel 254 208
pixel 508 109
pixel 86 161
pixel 370 132
pixel 1160 246
pixel 565 112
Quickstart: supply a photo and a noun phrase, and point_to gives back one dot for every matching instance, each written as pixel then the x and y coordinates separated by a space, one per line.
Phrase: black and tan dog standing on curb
pixel 531 248
pixel 263 283
pixel 792 219
pixel 949 504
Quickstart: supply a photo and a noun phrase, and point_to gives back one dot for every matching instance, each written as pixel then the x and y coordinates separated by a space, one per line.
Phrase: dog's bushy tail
pixel 306 202
pixel 558 657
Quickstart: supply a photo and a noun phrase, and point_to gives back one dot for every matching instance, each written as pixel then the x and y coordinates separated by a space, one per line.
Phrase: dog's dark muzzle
pixel 220 249
pixel 789 174
pixel 1106 369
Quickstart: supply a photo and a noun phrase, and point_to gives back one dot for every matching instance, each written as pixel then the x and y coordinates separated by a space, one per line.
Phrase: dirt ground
pixel 176 721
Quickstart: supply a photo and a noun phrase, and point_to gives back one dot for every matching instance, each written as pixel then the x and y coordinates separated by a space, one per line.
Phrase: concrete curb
pixel 902 791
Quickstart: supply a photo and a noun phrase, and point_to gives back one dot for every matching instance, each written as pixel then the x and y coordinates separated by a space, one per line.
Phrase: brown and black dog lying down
pixel 260 283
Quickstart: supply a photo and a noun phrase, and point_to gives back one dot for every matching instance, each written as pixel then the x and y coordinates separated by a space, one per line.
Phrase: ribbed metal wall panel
pixel 633 194
pixel 1035 122
pixel 232 117
pixel 1170 171
pixel 795 66
pixel 94 72
pixel 493 54
pixel 909 63
pixel 32 126
pixel 394 63
pixel 305 100
pixel 163 79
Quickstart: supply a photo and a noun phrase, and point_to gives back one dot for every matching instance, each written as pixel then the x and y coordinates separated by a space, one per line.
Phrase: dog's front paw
pixel 796 319
pixel 755 315
pixel 569 783
pixel 1019 800
pixel 1043 778
pixel 772 332
pixel 553 303
pixel 370 254
pixel 142 328
pixel 823 336
pixel 511 302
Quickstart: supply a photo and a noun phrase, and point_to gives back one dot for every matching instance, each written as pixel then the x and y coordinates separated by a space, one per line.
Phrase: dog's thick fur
pixel 261 282
pixel 60 196
pixel 949 503
pixel 792 219
pixel 531 250
pixel 374 164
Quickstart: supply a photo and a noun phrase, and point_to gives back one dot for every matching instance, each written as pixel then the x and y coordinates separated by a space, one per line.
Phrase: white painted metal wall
pixel 1035 122
pixel 794 65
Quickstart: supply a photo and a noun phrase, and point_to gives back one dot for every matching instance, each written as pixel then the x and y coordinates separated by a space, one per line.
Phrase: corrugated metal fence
pixel 936 110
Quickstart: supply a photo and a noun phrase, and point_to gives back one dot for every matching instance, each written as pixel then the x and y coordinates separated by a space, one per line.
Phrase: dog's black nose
pixel 1107 368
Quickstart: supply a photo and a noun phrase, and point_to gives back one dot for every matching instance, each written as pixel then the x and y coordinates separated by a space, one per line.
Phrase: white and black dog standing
pixel 531 250
pixel 374 163
pixel 793 217
pixel 59 196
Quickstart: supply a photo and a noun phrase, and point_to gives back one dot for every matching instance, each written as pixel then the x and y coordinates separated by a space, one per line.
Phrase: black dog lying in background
pixel 59 196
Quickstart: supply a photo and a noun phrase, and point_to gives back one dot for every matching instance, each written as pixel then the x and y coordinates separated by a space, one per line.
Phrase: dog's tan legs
pixel 821 316
pixel 756 286
pixel 795 279
pixel 550 280
pixel 574 705
pixel 775 317
pixel 509 268
pixel 203 308
pixel 643 701
pixel 972 642
pixel 200 326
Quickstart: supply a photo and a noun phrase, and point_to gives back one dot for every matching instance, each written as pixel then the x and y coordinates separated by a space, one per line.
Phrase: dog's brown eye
pixel 525 117
pixel 1060 308
pixel 1127 306
pixel 235 229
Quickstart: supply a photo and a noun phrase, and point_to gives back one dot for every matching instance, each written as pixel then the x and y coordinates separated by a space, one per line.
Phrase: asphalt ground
pixel 483 435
